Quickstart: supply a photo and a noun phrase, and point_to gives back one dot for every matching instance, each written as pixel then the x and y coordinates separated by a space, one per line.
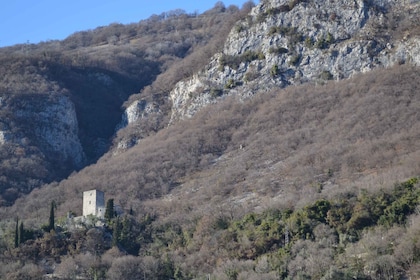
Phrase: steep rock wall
pixel 138 110
pixel 47 121
pixel 283 43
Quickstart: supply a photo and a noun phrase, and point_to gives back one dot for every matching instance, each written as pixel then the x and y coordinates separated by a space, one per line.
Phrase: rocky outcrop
pixel 138 110
pixel 284 43
pixel 4 137
pixel 58 129
pixel 49 122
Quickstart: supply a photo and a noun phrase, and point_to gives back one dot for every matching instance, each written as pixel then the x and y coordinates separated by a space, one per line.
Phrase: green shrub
pixel 231 273
pixel 216 92
pixel 293 3
pixel 250 75
pixel 272 30
pixel 278 50
pixel 309 42
pixel 282 30
pixel 221 223
pixel 233 61
pixel 318 211
pixel 285 30
pixel 230 84
pixel 320 43
pixel 339 214
pixel 294 60
pixel 274 71
pixel 294 37
pixel 329 39
pixel 273 11
pixel 300 225
pixel 324 42
pixel 284 8
pixel 261 55
pixel 326 75
pixel 239 28
pixel 261 17
pixel 230 60
pixel 249 56
pixel 403 202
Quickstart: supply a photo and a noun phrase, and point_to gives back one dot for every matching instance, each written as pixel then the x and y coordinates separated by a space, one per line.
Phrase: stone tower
pixel 93 203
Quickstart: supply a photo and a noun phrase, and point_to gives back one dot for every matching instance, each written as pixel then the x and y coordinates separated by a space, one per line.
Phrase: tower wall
pixel 94 203
pixel 100 204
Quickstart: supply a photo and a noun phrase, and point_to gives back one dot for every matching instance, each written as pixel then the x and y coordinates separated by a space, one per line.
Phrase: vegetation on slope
pixel 369 236
pixel 256 189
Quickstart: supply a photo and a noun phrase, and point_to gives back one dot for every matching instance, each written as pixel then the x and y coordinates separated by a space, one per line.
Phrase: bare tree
pixel 127 267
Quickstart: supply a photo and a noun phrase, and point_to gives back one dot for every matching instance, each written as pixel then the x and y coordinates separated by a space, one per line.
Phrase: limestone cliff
pixel 47 121
pixel 139 111
pixel 284 43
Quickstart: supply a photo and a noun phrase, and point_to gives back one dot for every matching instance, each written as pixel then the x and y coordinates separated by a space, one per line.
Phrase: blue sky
pixel 41 20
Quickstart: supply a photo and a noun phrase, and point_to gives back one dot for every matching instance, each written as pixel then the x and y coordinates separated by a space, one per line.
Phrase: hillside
pixel 366 126
pixel 83 82
pixel 282 151
pixel 233 163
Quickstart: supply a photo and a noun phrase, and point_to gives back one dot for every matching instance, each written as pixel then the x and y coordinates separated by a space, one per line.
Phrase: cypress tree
pixel 51 225
pixel 109 211
pixel 21 235
pixel 17 233
pixel 116 232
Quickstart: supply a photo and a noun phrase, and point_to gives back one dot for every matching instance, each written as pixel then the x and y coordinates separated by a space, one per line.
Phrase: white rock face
pixel 314 41
pixel 407 51
pixel 184 91
pixel 139 109
pixel 58 127
pixel 52 125
pixel 4 137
